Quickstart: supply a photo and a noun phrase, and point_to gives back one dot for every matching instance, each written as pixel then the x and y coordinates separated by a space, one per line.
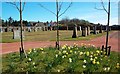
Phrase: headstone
pixel 106 29
pixel 67 27
pixel 16 34
pixel 88 30
pixel 84 31
pixel 29 29
pixel 50 28
pixel 74 31
pixel 101 31
pixel 43 28
pixel 80 28
pixel 35 29
pixel 94 30
pixel 109 28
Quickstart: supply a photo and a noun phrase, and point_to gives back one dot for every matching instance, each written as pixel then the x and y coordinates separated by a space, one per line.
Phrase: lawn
pixel 46 36
pixel 68 59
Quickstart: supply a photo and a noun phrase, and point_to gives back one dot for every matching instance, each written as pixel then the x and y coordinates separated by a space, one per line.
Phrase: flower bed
pixel 86 58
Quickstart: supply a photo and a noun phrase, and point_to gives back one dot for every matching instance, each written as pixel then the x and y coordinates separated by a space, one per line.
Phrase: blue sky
pixel 81 10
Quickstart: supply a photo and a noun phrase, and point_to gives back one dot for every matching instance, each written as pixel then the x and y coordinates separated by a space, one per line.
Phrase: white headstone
pixel 80 28
pixel 16 34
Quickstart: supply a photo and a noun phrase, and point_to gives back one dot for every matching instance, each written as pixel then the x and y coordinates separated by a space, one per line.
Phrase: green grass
pixel 67 59
pixel 46 36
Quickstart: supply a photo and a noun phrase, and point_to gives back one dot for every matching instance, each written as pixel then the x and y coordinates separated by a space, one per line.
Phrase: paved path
pixel 98 42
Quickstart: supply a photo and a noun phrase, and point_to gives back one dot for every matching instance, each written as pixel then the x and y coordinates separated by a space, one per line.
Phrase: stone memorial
pixel 84 31
pixel 16 34
pixel 74 31
pixel 80 28
pixel 94 30
pixel 88 30
pixel 29 29
pixel 101 31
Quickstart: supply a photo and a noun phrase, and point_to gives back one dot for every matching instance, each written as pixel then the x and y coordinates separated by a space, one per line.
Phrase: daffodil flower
pixel 33 63
pixel 70 60
pixel 85 61
pixel 98 62
pixel 84 66
pixel 30 59
pixel 58 70
pixel 87 53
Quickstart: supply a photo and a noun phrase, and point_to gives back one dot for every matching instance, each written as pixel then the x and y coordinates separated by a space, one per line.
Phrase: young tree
pixel 20 8
pixel 108 21
pixel 58 14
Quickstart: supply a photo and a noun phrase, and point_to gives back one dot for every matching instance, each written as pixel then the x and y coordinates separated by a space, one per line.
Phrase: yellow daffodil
pixel 70 51
pixel 75 52
pixel 56 55
pixel 70 60
pixel 69 48
pixel 41 49
pixel 87 53
pixel 108 68
pixel 98 62
pixel 33 63
pixel 81 53
pixel 85 61
pixel 118 64
pixel 64 47
pixel 93 61
pixel 91 52
pixel 67 53
pixel 84 66
pixel 64 51
pixel 91 56
pixel 30 59
pixel 98 51
pixel 58 70
pixel 105 69
pixel 95 57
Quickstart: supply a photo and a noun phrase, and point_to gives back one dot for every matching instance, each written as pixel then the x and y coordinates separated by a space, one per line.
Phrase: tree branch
pixel 47 9
pixel 66 9
pixel 14 3
pixel 103 7
pixel 23 6
pixel 60 6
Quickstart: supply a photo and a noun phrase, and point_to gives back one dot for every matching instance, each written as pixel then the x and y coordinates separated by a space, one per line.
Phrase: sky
pixel 81 10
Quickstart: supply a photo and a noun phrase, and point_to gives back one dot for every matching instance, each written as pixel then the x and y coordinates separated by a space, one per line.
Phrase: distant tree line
pixel 78 22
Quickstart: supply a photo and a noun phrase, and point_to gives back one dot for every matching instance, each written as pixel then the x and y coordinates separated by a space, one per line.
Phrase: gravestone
pixel 88 30
pixel 84 31
pixel 29 29
pixel 109 28
pixel 80 28
pixel 94 30
pixel 50 28
pixel 106 29
pixel 101 31
pixel 74 31
pixel 35 29
pixel 16 34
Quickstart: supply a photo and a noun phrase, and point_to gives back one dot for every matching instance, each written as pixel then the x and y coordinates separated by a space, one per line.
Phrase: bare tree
pixel 58 14
pixel 108 22
pixel 20 8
